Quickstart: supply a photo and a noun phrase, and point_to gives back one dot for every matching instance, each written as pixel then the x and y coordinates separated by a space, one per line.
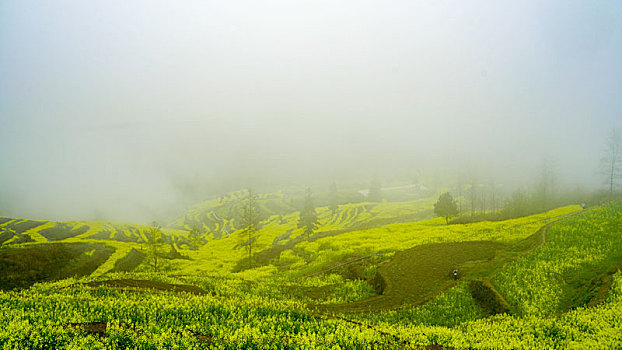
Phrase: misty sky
pixel 116 109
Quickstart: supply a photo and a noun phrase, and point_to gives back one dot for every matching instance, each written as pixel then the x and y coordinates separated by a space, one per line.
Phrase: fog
pixel 133 110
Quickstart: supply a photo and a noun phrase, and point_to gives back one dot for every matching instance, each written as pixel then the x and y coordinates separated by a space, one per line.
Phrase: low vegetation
pixel 371 275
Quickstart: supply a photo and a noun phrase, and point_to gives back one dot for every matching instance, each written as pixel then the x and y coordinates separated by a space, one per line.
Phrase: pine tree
pixel 250 220
pixel 308 217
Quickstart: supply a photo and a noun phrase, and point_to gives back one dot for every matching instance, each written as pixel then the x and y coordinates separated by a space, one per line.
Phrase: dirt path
pixel 415 275
pixel 343 264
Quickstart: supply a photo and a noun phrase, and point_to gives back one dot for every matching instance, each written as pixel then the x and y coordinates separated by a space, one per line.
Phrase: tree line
pixel 476 201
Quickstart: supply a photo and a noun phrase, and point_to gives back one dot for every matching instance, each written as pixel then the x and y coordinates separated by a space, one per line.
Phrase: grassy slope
pixel 21 267
pixel 567 270
pixel 313 256
pixel 221 255
pixel 124 237
pixel 243 312
pixel 120 238
pixel 243 315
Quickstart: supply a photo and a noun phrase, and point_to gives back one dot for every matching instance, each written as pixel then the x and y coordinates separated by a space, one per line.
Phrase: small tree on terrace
pixel 446 206
pixel 194 237
pixel 155 232
pixel 250 220
pixel 308 216
pixel 333 204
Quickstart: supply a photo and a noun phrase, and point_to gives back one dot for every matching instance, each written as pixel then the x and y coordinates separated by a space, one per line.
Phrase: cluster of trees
pixel 308 220
pixel 483 202
pixel 611 162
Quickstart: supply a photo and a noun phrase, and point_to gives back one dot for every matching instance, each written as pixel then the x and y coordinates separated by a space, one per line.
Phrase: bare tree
pixel 611 162
pixel 460 189
pixel 546 184
pixel 473 195
pixel 492 185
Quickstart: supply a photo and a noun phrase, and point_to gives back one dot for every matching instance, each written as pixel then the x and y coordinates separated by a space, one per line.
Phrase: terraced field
pixel 109 243
pixel 549 280
pixel 415 275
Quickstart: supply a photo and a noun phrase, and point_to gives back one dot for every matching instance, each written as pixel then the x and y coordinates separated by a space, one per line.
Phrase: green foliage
pixel 20 267
pixel 485 297
pixel 449 309
pixel 250 220
pixel 576 250
pixel 446 206
pixel 308 217
pixel 273 306
pixel 129 262
pixel 238 314
pixel 195 237
pixel 520 204
pixel 155 241
pixel 6 233
pixel 62 231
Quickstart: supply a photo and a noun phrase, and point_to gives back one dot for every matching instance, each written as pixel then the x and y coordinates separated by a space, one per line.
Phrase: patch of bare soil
pixel 146 284
pixel 96 328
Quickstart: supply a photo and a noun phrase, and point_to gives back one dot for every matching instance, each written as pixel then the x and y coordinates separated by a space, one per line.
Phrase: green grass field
pixel 373 276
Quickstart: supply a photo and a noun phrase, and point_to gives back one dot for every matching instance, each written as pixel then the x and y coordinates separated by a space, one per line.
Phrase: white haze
pixel 132 110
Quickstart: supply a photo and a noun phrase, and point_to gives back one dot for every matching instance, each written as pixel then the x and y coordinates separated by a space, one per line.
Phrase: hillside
pixel 64 249
pixel 129 243
pixel 220 217
pixel 549 280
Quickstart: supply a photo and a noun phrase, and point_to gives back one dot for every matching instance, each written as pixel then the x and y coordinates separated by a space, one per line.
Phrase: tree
pixel 333 201
pixel 250 220
pixel 446 206
pixel 519 204
pixel 375 192
pixel 473 195
pixel 611 162
pixel 544 195
pixel 155 232
pixel 194 236
pixel 308 217
pixel 460 188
